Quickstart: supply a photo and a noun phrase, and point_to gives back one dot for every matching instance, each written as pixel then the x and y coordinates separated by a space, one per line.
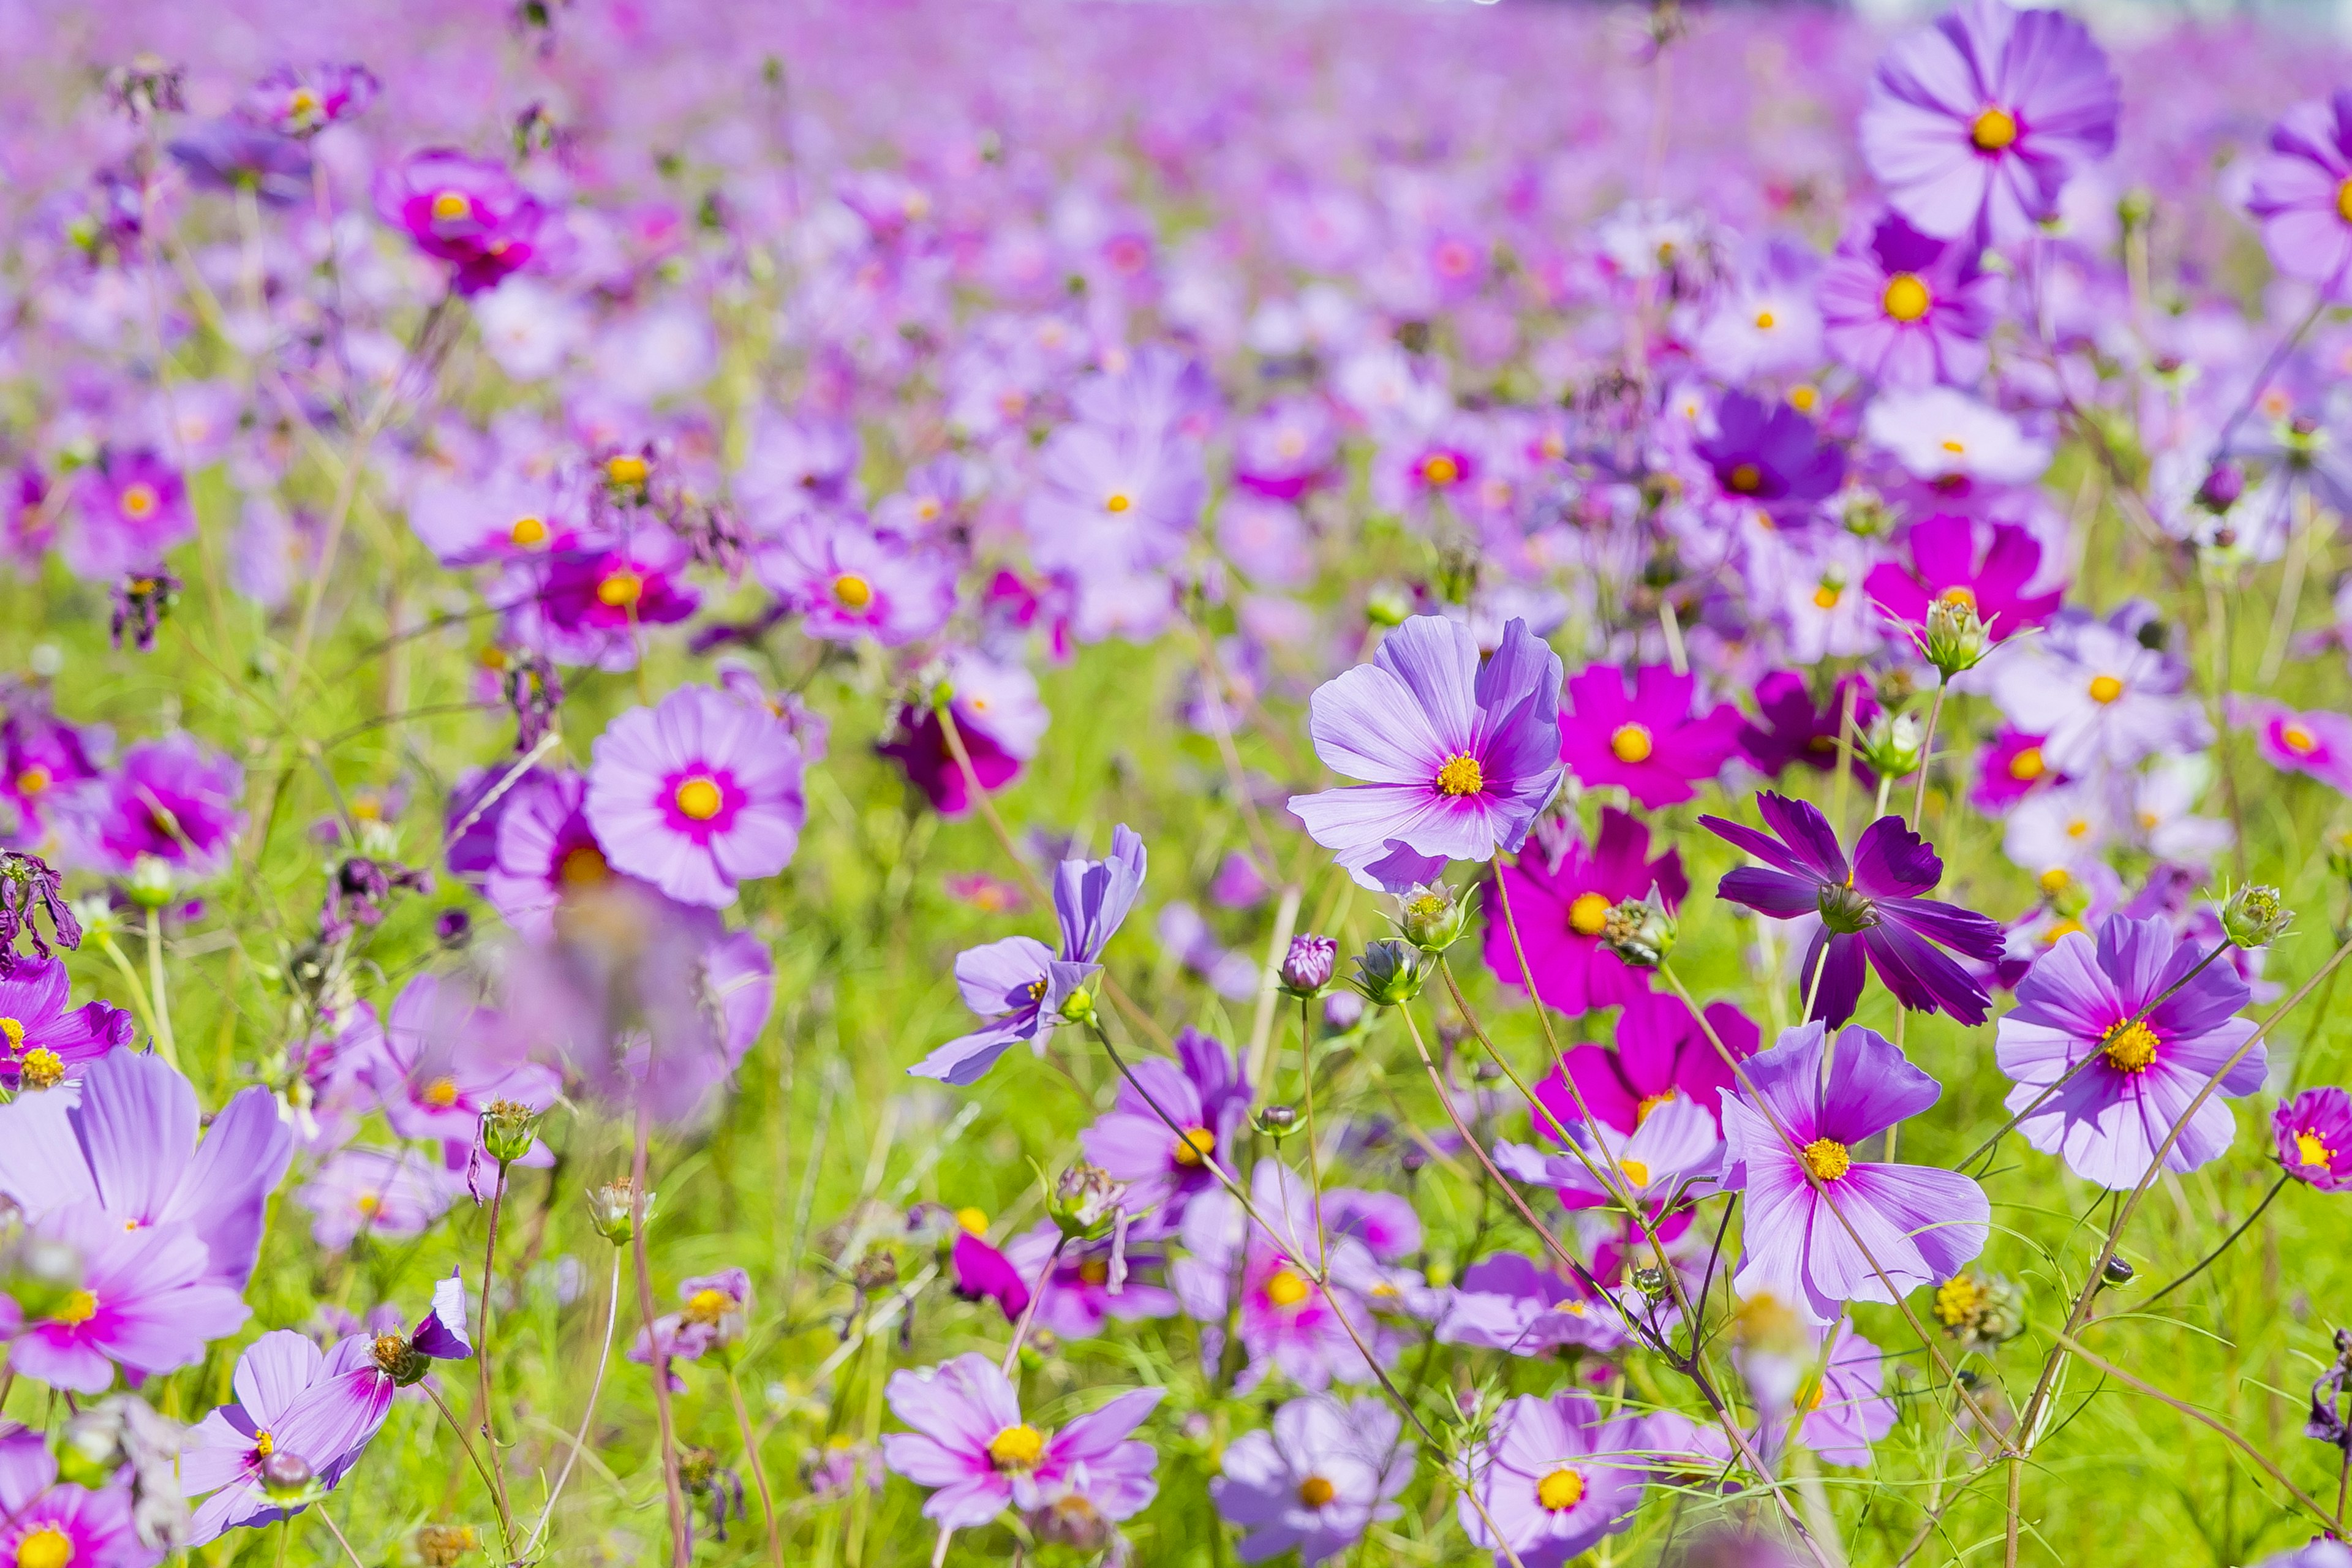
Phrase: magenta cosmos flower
pixel 2302 194
pixel 2084 999
pixel 1508 1301
pixel 1908 310
pixel 1790 727
pixel 41 1035
pixel 2315 1138
pixel 470 213
pixel 130 509
pixel 1461 752
pixel 175 799
pixel 1975 124
pixel 1324 1475
pixel 1947 566
pixel 970 1444
pixel 2318 742
pixel 847 582
pixel 1921 1224
pixel 697 794
pixel 1204 1093
pixel 1561 895
pixel 1554 1477
pixel 49 1523
pixel 1661 1056
pixel 321 1406
pixel 1648 739
pixel 999 717
pixel 149 1302
pixel 1770 456
pixel 1870 910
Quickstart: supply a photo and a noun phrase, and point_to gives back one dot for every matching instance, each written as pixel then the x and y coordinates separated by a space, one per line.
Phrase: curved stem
pixel 759 1470
pixel 162 998
pixel 2206 1262
pixel 482 1360
pixel 658 1353
pixel 611 1313
pixel 1029 1312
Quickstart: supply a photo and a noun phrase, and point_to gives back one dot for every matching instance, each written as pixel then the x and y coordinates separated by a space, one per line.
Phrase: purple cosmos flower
pixel 1113 498
pixel 2099 999
pixel 545 853
pixel 1553 1476
pixel 2010 769
pixel 998 715
pixel 43 1039
pixel 983 1273
pixel 231 154
pixel 1327 1472
pixel 1771 456
pixel 846 582
pixel 1661 1056
pixel 2315 1138
pixel 1561 895
pixel 301 101
pixel 1947 566
pixel 149 1302
pixel 1509 1301
pixel 49 1523
pixel 1677 1145
pixel 591 605
pixel 1285 448
pixel 1461 753
pixel 470 213
pixel 1907 310
pixel 713 1314
pixel 970 1444
pixel 1019 984
pixel 1920 1225
pixel 42 754
pixel 2318 742
pixel 1975 125
pixel 1836 1408
pixel 1870 907
pixel 376 1192
pixel 442 1066
pixel 1648 739
pixel 1089 1284
pixel 129 509
pixel 1204 1093
pixel 2302 194
pixel 175 799
pixel 321 1406
pixel 697 794
pixel 1794 730
pixel 128 1142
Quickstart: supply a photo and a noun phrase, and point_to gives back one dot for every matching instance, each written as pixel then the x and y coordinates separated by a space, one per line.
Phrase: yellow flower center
pixel 1957 1300
pixel 15 1029
pixel 1906 298
pixel 527 531
pixel 138 502
pixel 1745 479
pixel 41 1068
pixel 1827 595
pixel 2105 689
pixel 708 1306
pixel 1959 593
pixel 852 592
pixel 699 799
pixel 48 1547
pixel 1651 1102
pixel 2129 1047
pixel 1993 130
pixel 2027 766
pixel 79 1307
pixel 973 1220
pixel 1636 1172
pixel 1197 1144
pixel 1315 1491
pixel 367 1204
pixel 2055 880
pixel 441 1091
pixel 2310 1151
pixel 1588 914
pixel 1561 1491
pixel 1826 1158
pixel 1439 469
pixel 1286 1289
pixel 625 469
pixel 33 780
pixel 2343 201
pixel 2298 740
pixel 1016 1448
pixel 449 206
pixel 582 866
pixel 1763 320
pixel 301 104
pixel 1116 502
pixel 621 588
pixel 1632 744
pixel 1461 776
pixel 2064 928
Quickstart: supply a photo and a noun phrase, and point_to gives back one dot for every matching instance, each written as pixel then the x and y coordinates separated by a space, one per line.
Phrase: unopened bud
pixel 286 1477
pixel 1432 917
pixel 1640 932
pixel 1892 743
pixel 2224 483
pixel 149 883
pixel 1078 1007
pixel 1085 1201
pixel 1956 638
pixel 1278 1121
pixel 1388 605
pixel 1390 972
pixel 1342 1011
pixel 613 1209
pixel 1308 967
pixel 2117 1272
pixel 2253 916
pixel 1650 1282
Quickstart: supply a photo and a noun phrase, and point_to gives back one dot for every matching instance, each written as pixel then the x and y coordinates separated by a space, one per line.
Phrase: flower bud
pixel 286 1477
pixel 1278 1121
pixel 1390 972
pixel 1078 1007
pixel 1085 1201
pixel 1956 638
pixel 1431 918
pixel 1308 967
pixel 2117 1272
pixel 1640 932
pixel 1388 605
pixel 1650 1282
pixel 150 883
pixel 509 1130
pixel 2224 483
pixel 2253 917
pixel 613 1210
pixel 1892 744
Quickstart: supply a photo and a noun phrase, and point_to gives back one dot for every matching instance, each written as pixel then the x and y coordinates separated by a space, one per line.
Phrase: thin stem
pixel 1029 1312
pixel 759 1470
pixel 464 1438
pixel 657 1353
pixel 2010 1513
pixel 612 1314
pixel 482 1357
pixel 2276 1188
pixel 1928 751
pixel 328 1520
pixel 163 1040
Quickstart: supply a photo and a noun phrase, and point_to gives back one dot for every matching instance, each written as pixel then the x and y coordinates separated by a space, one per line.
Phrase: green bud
pixel 1956 637
pixel 1278 1121
pixel 287 1478
pixel 1431 918
pixel 1892 744
pixel 1640 932
pixel 1390 972
pixel 2253 917
pixel 509 1130
pixel 149 883
pixel 1078 1007
pixel 1085 1201
pixel 613 1210
pixel 1388 605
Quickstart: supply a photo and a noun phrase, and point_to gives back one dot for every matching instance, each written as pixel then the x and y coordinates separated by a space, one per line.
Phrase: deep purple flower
pixel 998 716
pixel 697 794
pixel 1975 125
pixel 1947 566
pixel 471 213
pixel 1770 456
pixel 1920 1225
pixel 1870 907
pixel 130 508
pixel 237 154
pixel 1648 740
pixel 175 799
pixel 1553 1476
pixel 1661 1056
pixel 46 1522
pixel 1794 730
pixel 591 605
pixel 1509 1301
pixel 2315 1138
pixel 1204 1091
pixel 43 1041
pixel 1560 894
pixel 1327 1472
pixel 149 1301
pixel 301 101
pixel 2302 194
pixel 320 1407
pixel 971 1445
pixel 1907 310
pixel 2099 999
pixel 1461 752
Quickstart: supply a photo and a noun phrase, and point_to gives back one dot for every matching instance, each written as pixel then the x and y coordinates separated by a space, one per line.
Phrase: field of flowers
pixel 950 782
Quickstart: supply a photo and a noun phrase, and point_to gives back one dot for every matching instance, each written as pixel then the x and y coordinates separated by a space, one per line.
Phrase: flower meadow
pixel 1077 784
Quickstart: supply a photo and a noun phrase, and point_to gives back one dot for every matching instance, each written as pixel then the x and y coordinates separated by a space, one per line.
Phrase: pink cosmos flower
pixel 1648 739
pixel 1204 1091
pixel 129 510
pixel 970 1444
pixel 981 1273
pixel 592 604
pixel 1907 310
pixel 1000 717
pixel 175 798
pixel 2010 769
pixel 1328 1471
pixel 148 1301
pixel 1661 1056
pixel 697 794
pixel 847 582
pixel 2298 193
pixel 1511 1302
pixel 713 1314
pixel 1947 566
pixel 1835 1405
pixel 2317 742
pixel 1091 1284
pixel 546 855
pixel 2315 1138
pixel 470 213
pixel 321 1406
pixel 1560 894
pixel 38 1028
pixel 45 1520
pixel 441 1068
pixel 1553 1476
pixel 376 1192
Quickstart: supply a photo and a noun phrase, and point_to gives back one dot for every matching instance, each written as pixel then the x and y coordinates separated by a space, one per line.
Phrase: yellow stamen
pixel 138 502
pixel 1764 320
pixel 2129 1047
pixel 2310 1151
pixel 1959 593
pixel 1745 479
pixel 1826 1158
pixel 1286 1288
pixel 699 799
pixel 15 1030
pixel 48 1547
pixel 41 1068
pixel 1993 130
pixel 1117 501
pixel 1630 743
pixel 852 592
pixel 1907 298
pixel 625 469
pixel 527 531
pixel 1957 1300
pixel 1827 595
pixel 2343 201
pixel 1588 914
pixel 449 206
pixel 2056 881
pixel 2105 689
pixel 1439 469
pixel 1017 1449
pixel 2297 739
pixel 582 866
pixel 1804 395
pixel 441 1091
pixel 1561 1491
pixel 1461 776
pixel 1315 1491
pixel 622 588
pixel 1651 1102
pixel 1636 1172
pixel 707 1306
pixel 33 780
pixel 79 1307
pixel 1197 1144
pixel 2027 766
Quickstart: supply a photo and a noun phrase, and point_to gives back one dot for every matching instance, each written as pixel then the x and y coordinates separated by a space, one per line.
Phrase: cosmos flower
pixel 2084 999
pixel 1649 740
pixel 1870 908
pixel 714 1312
pixel 847 582
pixel 1907 310
pixel 1793 729
pixel 230 154
pixel 320 1407
pixel 2298 194
pixel 1837 1408
pixel 2315 1138
pixel 1113 497
pixel 301 101
pixel 46 1522
pixel 1461 752
pixel 1947 566
pixel 1561 895
pixel 2318 742
pixel 1975 125
pixel 2010 769
pixel 545 853
pixel 442 1066
pixel 1676 1145
pixel 592 604
pixel 1554 1477
pixel 1509 1301
pixel 149 1301
pixel 697 794
pixel 2098 692
pixel 130 508
pixel 1327 1471
pixel 981 1273
pixel 1091 1284
pixel 175 799
pixel 1203 1091
pixel 44 1041
pixel 1920 1225
pixel 470 213
pixel 376 1192
pixel 1661 1056
pixel 971 1445
pixel 1770 456
pixel 999 717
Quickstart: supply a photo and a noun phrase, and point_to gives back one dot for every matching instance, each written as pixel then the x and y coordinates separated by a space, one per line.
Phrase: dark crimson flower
pixel 1869 907
pixel 1793 729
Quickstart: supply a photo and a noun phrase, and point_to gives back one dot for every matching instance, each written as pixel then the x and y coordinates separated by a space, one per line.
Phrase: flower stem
pixel 759 1470
pixel 681 1548
pixel 482 1360
pixel 595 1387
pixel 163 1040
pixel 2276 1188
pixel 1029 1311
pixel 1928 751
